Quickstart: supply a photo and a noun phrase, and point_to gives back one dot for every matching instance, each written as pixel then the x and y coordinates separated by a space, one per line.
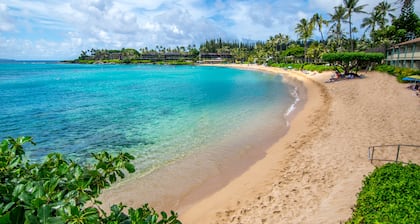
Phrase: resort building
pixel 405 54
pixel 215 58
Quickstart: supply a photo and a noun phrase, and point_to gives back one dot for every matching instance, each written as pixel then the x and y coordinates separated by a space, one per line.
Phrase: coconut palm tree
pixel 318 21
pixel 351 7
pixel 371 22
pixel 383 9
pixel 304 30
pixel 406 4
pixel 336 19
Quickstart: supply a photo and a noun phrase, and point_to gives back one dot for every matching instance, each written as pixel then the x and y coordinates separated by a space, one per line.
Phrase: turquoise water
pixel 158 113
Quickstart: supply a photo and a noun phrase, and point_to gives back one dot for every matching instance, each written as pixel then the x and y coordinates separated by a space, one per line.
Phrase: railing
pixel 387 156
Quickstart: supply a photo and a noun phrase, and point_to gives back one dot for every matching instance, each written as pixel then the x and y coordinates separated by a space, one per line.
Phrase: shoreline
pixel 314 172
pixel 224 201
pixel 207 178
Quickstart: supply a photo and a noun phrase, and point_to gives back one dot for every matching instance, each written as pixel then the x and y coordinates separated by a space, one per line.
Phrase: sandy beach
pixel 313 173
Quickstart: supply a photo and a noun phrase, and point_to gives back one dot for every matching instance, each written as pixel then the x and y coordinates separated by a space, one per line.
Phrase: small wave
pixel 292 107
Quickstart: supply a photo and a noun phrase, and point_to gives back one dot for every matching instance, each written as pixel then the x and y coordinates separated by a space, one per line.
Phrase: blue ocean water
pixel 158 113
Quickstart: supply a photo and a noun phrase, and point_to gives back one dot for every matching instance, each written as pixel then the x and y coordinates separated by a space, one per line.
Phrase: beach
pixel 313 173
pixel 309 175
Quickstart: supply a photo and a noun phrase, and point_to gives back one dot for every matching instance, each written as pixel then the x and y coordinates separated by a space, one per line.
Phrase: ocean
pixel 158 113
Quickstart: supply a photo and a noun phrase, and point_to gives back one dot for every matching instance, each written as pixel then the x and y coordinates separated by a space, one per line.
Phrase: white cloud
pixel 5 21
pixel 53 29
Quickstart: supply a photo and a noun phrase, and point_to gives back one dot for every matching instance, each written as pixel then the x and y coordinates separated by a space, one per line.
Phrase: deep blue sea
pixel 158 113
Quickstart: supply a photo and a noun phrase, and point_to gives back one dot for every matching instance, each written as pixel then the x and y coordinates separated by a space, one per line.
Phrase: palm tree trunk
pixel 351 39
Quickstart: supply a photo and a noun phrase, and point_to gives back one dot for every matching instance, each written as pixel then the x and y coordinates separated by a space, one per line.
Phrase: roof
pixel 416 40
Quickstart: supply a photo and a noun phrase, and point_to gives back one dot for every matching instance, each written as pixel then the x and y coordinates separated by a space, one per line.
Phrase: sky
pixel 60 30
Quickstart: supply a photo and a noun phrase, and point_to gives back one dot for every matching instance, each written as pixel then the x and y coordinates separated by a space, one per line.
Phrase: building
pixel 215 58
pixel 405 54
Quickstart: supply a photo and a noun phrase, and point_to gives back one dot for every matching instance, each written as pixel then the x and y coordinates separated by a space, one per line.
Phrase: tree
pixel 315 51
pixel 305 30
pixel 337 18
pixel 408 20
pixel 378 18
pixel 349 61
pixel 382 10
pixel 59 191
pixel 293 52
pixel 371 22
pixel 351 7
pixel 318 21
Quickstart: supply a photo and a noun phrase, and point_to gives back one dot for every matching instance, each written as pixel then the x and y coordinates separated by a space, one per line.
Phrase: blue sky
pixel 52 29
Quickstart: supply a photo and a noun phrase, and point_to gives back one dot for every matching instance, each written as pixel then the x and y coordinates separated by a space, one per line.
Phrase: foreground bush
pixel 58 190
pixel 390 194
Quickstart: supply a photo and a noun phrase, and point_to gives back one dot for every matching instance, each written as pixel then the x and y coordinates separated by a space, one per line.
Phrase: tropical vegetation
pixel 61 191
pixel 390 194
pixel 348 61
pixel 381 28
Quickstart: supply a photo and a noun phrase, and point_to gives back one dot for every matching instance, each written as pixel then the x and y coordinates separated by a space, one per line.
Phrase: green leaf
pixel 130 167
pixel 17 215
pixel 112 178
pixel 5 219
pixel 44 212
pixel 55 220
pixel 6 208
pixel 164 215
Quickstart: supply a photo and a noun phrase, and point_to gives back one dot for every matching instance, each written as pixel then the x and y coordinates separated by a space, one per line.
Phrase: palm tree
pixel 319 21
pixel 371 22
pixel 383 9
pixel 305 30
pixel 407 5
pixel 337 18
pixel 351 7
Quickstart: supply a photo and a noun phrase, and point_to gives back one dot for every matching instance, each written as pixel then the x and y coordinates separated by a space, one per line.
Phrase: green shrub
pixel 58 190
pixel 84 61
pixel 398 72
pixel 308 67
pixel 390 194
pixel 318 68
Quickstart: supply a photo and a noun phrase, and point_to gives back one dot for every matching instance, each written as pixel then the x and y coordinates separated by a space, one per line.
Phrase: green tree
pixel 352 61
pixel 304 29
pixel 318 21
pixel 336 19
pixel 293 53
pixel 383 10
pixel 59 191
pixel 371 22
pixel 351 7
pixel 408 21
pixel 315 51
